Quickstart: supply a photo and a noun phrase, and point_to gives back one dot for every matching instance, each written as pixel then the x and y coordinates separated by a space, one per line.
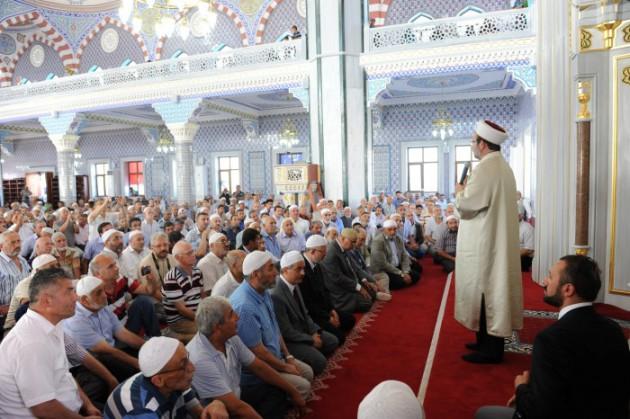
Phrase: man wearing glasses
pixel 162 388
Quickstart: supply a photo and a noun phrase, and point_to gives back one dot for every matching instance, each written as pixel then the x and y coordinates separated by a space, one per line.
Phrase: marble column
pixel 184 134
pixel 65 145
pixel 337 98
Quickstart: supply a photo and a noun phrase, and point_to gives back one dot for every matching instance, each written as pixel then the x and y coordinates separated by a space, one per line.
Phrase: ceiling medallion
pixel 109 40
pixel 301 8
pixel 37 55
pixel 250 7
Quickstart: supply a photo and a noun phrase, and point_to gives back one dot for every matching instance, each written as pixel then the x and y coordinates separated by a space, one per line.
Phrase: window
pixel 135 177
pixel 463 155
pixel 100 175
pixel 289 158
pixel 422 169
pixel 229 172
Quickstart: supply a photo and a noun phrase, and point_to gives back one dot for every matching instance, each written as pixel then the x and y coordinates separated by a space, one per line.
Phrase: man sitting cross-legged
pixel 97 329
pixel 304 338
pixel 219 355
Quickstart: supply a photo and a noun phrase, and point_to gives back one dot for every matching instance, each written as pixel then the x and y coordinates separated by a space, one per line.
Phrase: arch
pixel 470 10
pixel 159 49
pixel 421 17
pixel 99 27
pixel 262 23
pixel 36 37
pixel 377 10
pixel 57 42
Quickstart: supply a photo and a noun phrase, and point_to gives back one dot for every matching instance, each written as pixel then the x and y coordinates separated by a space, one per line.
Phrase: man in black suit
pixel 316 296
pixel 580 364
pixel 342 282
pixel 303 337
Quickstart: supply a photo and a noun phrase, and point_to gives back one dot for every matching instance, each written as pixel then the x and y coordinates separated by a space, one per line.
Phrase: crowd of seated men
pixel 116 307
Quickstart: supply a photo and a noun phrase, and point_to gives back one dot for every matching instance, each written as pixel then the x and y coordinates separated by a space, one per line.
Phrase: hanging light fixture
pixel 442 125
pixel 165 144
pixel 158 16
pixel 288 136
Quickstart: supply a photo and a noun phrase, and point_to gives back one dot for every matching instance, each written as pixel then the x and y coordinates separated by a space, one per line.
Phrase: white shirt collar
pixel 291 286
pixel 44 323
pixel 566 309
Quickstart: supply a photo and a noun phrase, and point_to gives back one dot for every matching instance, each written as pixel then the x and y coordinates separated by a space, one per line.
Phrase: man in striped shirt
pixel 13 268
pixel 163 387
pixel 182 291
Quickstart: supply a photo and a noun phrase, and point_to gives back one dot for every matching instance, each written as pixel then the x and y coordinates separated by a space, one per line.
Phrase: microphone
pixel 464 173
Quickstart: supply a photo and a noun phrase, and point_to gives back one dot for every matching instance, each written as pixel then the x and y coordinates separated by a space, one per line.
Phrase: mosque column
pixel 337 98
pixel 176 116
pixel 65 145
pixel 554 145
pixel 3 135
pixel 583 178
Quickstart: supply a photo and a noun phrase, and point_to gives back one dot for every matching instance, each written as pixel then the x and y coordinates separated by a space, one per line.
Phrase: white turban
pixel 292 207
pixel 451 217
pixel 316 241
pixel 390 399
pixel 215 217
pixel 108 234
pixel 87 284
pixel 42 260
pixel 490 133
pixel 155 354
pixel 215 237
pixel 133 234
pixel 390 224
pixel 254 261
pixel 290 258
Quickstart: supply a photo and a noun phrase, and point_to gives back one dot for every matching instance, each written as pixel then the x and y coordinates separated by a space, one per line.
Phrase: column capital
pixel 65 142
pixel 183 132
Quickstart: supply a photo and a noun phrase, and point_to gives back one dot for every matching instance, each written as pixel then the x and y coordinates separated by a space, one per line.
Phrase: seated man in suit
pixel 389 256
pixel 316 296
pixel 305 339
pixel 346 291
pixel 581 363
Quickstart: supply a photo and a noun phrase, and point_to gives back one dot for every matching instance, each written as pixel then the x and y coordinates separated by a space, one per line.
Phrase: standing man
pixel 489 291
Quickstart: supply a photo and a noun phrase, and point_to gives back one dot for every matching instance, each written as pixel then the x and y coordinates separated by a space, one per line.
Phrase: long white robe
pixel 488 261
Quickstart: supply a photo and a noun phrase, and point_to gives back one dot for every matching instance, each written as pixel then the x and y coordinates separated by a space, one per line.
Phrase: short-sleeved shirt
pixel 138 398
pixel 178 286
pixel 34 368
pixel 10 276
pixel 257 323
pixel 194 237
pixel 89 328
pixel 447 242
pixel 217 374
pixel 119 299
pixel 225 286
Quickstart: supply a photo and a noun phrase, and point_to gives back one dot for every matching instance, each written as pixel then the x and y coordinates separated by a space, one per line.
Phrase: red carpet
pixel 394 346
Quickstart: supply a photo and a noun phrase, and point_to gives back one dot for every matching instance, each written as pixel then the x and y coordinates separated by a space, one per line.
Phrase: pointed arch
pixel 36 37
pixel 115 22
pixel 377 10
pixel 264 19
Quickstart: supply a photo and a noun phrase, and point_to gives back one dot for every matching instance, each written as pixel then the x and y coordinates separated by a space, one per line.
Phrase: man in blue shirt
pixel 269 236
pixel 162 388
pixel 258 327
pixel 219 355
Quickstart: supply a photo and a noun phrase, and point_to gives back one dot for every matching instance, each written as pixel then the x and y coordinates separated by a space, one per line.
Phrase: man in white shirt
pixel 34 370
pixel 526 242
pixel 212 266
pixel 149 225
pixel 226 285
pixel 134 253
pixel 301 225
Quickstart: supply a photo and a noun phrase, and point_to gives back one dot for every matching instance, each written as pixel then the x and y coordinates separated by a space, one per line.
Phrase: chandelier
pixel 288 136
pixel 442 125
pixel 157 17
pixel 165 143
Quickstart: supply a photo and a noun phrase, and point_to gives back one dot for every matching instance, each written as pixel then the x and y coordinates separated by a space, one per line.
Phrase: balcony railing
pixel 281 52
pixel 454 30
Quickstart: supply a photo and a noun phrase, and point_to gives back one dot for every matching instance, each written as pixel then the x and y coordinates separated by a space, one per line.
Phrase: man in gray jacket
pixel 389 256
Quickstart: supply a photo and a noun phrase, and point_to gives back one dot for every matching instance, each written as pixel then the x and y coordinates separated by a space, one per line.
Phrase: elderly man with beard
pixel 289 239
pixel 446 245
pixel 389 256
pixel 162 388
pixel 258 327
pixel 97 329
pixel 159 261
pixel 69 257
pixel 300 224
pixel 34 369
pixel 13 268
pixel 212 266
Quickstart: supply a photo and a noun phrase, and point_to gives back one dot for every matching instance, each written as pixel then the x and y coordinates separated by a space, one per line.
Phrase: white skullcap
pixel 404 204
pixel 451 217
pixel 325 211
pixel 247 221
pixel 48 230
pixel 109 233
pixel 254 261
pixel 390 224
pixel 489 133
pixel 316 241
pixel 155 354
pixel 215 216
pixel 42 260
pixel 215 237
pixel 134 233
pixel 264 211
pixel 390 399
pixel 290 258
pixel 87 284
pixel 292 207
pixel 241 202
